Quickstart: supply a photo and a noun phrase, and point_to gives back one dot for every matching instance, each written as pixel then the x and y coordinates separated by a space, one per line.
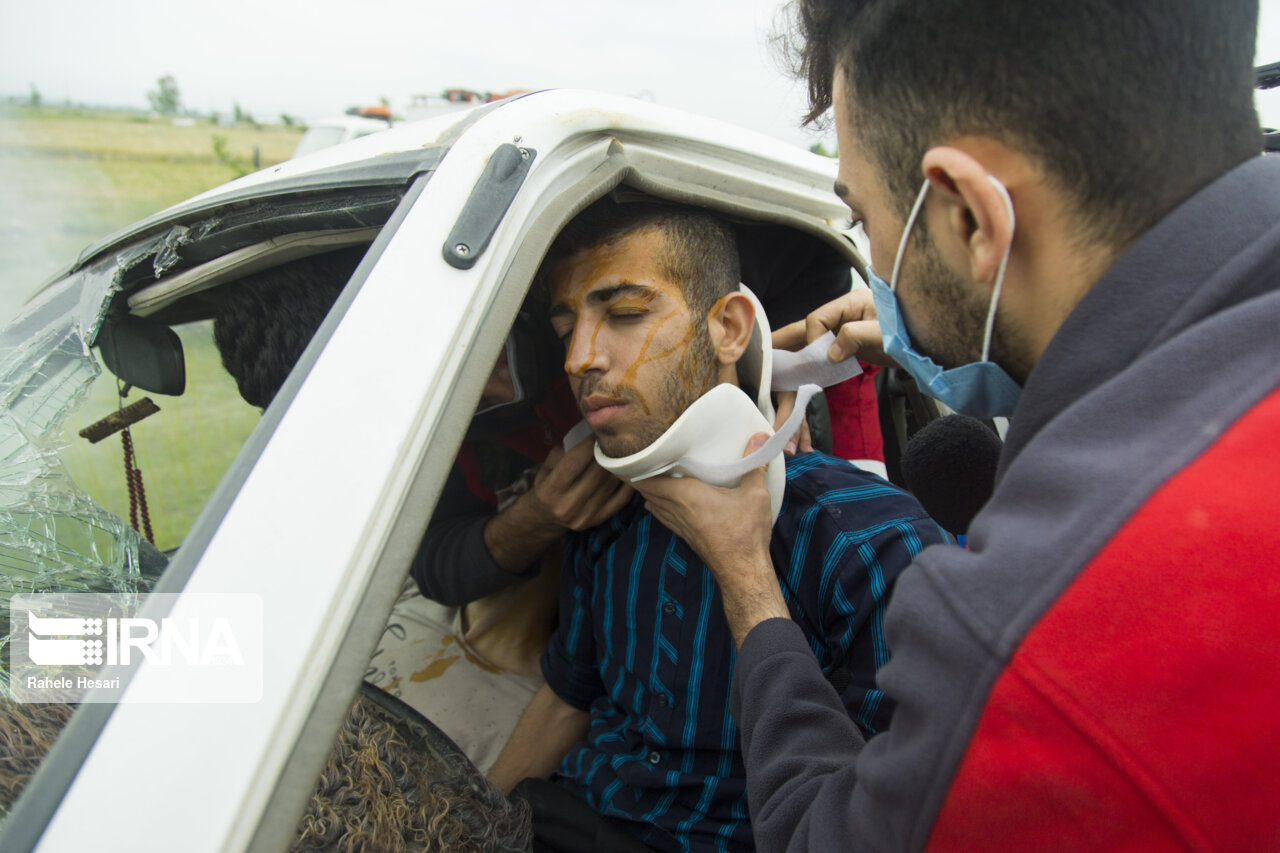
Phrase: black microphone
pixel 950 466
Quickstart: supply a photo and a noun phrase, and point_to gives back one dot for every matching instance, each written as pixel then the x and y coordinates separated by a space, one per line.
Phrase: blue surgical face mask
pixel 980 389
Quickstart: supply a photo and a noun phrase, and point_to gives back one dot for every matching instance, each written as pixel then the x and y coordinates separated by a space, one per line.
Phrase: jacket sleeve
pixel 799 744
pixel 815 782
pixel 837 566
pixel 452 565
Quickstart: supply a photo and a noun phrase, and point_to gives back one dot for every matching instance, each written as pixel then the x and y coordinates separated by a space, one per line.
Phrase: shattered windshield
pixel 53 536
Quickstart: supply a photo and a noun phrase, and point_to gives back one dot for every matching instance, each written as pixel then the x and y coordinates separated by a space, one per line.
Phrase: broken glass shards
pixel 53 537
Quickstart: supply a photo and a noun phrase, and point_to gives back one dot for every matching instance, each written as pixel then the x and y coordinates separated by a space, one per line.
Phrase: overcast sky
pixel 315 59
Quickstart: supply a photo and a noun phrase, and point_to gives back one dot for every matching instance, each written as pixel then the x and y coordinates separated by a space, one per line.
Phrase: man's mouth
pixel 600 410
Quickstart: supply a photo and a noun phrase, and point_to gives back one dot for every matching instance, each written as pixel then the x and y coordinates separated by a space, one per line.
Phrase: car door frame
pixel 383 398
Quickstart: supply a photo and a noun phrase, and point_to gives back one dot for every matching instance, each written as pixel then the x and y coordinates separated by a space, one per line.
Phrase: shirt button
pixel 663 700
pixel 669 608
pixel 654 758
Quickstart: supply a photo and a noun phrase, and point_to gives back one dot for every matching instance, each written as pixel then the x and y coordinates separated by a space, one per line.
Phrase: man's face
pixel 944 320
pixel 635 354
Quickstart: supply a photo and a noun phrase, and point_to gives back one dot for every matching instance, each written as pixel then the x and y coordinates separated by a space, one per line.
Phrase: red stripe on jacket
pixel 1143 709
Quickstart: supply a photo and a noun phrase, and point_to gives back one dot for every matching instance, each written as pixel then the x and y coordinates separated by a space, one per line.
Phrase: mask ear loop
pixel 906 232
pixel 1004 263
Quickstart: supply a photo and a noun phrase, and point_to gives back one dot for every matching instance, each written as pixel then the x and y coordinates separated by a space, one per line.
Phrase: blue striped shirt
pixel 643 645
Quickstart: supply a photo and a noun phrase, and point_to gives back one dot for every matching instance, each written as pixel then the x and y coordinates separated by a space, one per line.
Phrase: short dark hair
pixel 264 321
pixel 1130 106
pixel 699 251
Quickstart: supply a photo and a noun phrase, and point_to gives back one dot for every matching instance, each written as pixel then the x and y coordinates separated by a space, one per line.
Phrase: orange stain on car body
pixel 435 669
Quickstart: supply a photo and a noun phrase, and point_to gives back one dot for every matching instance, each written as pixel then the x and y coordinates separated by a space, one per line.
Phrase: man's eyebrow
pixel 842 191
pixel 603 295
pixel 613 291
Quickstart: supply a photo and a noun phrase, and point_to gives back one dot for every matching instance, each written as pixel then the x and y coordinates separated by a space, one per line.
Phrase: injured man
pixel 630 744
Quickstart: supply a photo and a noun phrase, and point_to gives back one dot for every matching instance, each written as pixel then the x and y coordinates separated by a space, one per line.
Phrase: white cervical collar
pixel 707 440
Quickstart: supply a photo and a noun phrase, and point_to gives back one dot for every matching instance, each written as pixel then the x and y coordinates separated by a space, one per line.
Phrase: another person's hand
pixel 802 440
pixel 852 317
pixel 730 530
pixel 571 490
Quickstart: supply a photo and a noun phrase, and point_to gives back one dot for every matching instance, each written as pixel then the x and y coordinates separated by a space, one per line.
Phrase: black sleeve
pixel 452 565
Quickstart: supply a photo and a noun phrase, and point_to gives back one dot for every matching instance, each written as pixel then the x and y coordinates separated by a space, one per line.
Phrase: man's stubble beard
pixel 680 388
pixel 960 339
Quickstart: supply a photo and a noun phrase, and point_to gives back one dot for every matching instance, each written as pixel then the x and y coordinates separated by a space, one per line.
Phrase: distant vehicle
pixel 424 106
pixel 363 121
pixel 334 131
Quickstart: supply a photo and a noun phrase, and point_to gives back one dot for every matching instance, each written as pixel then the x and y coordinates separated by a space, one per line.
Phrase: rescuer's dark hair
pixel 1130 106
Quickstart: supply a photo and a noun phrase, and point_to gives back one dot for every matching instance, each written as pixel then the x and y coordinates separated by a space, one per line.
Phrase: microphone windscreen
pixel 950 466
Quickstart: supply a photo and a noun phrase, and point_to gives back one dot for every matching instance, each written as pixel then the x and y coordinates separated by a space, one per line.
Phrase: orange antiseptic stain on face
pixel 591 346
pixel 585 271
pixel 623 320
pixel 718 307
pixel 633 370
pixel 688 378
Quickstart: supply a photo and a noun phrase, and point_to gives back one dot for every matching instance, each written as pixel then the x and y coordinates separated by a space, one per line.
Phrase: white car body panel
pixel 326 500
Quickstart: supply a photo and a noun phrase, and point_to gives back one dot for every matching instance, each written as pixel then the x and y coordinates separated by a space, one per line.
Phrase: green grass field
pixel 69 178
pixel 182 451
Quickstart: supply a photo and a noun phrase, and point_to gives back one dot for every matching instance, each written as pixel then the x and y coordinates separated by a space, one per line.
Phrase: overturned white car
pixel 326 501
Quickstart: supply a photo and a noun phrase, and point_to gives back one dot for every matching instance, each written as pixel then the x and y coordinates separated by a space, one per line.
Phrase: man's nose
pixel 584 353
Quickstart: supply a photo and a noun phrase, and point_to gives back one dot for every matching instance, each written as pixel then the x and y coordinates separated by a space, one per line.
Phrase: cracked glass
pixel 53 536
